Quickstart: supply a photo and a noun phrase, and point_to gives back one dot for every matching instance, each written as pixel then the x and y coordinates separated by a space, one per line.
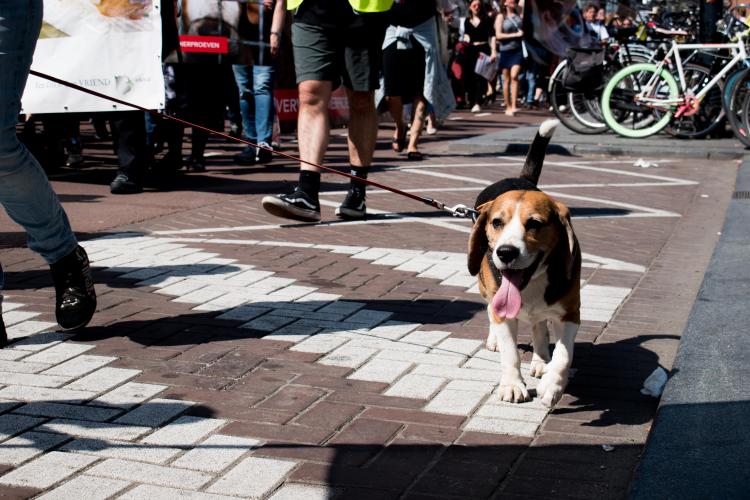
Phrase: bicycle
pixel 653 98
pixel 580 111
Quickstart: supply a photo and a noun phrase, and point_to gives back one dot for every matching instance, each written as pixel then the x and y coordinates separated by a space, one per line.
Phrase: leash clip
pixel 462 211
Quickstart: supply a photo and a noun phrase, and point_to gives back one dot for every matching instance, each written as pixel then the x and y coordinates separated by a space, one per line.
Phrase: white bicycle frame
pixel 740 54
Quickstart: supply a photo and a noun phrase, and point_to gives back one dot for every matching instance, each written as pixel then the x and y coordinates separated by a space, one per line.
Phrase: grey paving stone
pixel 293 491
pixel 80 365
pixel 136 452
pixel 103 379
pixel 253 477
pixel 215 453
pixel 88 487
pixel 22 367
pixel 150 492
pixel 30 394
pixel 150 474
pixel 501 426
pixel 11 424
pixel 32 379
pixel 47 470
pixel 98 430
pixel 77 412
pixel 155 412
pixel 28 445
pixel 40 341
pixel 185 431
pixel 129 395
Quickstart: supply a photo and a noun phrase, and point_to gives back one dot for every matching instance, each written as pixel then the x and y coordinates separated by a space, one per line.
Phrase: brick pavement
pixel 235 356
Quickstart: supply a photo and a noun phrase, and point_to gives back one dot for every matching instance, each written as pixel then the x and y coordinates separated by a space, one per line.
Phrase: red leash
pixel 458 210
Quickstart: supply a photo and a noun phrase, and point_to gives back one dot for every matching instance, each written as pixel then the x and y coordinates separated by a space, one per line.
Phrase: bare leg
pixel 313 127
pixel 514 86
pixel 396 108
pixel 363 127
pixel 506 88
pixel 417 123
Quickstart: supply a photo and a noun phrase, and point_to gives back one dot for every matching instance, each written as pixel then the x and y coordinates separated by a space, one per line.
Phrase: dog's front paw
pixel 537 368
pixel 491 342
pixel 551 388
pixel 513 391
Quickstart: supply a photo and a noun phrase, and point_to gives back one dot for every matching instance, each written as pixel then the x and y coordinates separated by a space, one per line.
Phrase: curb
pixel 699 445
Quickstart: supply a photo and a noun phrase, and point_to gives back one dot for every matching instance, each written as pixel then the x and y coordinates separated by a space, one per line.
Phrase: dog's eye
pixel 533 224
pixel 497 223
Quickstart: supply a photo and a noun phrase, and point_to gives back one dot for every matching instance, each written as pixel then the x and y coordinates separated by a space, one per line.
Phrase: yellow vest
pixel 358 5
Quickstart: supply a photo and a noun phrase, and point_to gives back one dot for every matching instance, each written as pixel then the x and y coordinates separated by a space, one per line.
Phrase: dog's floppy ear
pixel 570 241
pixel 478 242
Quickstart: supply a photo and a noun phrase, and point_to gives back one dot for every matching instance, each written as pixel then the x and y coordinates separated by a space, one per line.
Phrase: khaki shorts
pixel 353 56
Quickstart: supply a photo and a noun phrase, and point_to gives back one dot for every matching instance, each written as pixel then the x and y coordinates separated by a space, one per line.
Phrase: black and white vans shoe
pixel 296 205
pixel 353 206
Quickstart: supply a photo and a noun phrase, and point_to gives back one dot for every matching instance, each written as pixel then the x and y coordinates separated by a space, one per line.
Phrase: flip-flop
pixel 414 156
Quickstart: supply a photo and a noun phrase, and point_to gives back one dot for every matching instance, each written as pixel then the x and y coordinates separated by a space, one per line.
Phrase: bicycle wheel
pixel 710 114
pixel 638 119
pixel 571 109
pixel 738 88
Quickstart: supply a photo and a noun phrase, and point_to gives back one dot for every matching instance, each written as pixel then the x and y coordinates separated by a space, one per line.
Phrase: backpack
pixel 584 71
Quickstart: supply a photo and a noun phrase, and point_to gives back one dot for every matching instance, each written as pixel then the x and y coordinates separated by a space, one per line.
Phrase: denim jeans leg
pixel 265 110
pixel 243 76
pixel 25 192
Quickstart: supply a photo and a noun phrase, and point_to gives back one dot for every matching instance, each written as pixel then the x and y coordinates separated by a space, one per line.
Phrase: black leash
pixel 456 210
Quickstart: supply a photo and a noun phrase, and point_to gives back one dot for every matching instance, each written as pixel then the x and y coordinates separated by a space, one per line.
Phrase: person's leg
pixel 506 89
pixel 531 80
pixel 363 127
pixel 514 71
pixel 263 81
pixel 396 110
pixel 363 58
pixel 316 63
pixel 243 76
pixel 129 130
pixel 25 192
pixel 420 107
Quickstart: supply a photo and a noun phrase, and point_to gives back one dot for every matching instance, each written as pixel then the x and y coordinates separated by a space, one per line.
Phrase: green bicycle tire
pixel 654 126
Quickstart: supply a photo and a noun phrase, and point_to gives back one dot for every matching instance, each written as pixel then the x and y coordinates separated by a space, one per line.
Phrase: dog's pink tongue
pixel 507 300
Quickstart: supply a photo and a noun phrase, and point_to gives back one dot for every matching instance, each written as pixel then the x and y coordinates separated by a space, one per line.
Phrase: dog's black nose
pixel 507 253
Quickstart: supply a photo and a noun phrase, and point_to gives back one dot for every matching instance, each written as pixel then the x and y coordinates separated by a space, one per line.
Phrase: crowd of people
pixel 426 66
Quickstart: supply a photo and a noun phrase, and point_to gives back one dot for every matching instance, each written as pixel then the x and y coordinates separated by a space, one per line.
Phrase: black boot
pixel 75 296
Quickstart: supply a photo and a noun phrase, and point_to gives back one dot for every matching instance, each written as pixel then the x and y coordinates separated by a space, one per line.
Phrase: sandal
pixel 414 156
pixel 399 143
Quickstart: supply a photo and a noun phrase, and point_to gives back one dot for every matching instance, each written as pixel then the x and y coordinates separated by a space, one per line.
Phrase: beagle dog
pixel 528 262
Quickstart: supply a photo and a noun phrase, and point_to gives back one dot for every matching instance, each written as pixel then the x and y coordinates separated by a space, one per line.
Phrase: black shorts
pixel 349 53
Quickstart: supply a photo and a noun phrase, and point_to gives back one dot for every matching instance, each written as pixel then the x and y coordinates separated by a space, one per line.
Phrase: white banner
pixel 110 46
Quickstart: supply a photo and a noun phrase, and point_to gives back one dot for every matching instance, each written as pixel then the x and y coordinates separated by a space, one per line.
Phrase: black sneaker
pixel 353 206
pixel 246 157
pixel 264 155
pixel 75 300
pixel 124 185
pixel 297 205
pixel 195 164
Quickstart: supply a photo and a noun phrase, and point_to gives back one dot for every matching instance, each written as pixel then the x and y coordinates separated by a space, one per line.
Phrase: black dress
pixel 475 85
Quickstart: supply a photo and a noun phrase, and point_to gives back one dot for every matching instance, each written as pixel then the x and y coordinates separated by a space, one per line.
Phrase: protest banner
pixel 110 46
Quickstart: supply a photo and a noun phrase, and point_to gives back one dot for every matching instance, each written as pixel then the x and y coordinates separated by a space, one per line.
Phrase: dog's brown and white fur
pixel 524 234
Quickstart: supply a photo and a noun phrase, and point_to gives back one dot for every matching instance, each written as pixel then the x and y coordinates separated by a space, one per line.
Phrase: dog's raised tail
pixel 532 169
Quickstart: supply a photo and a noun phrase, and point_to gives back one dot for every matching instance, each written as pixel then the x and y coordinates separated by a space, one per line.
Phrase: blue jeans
pixel 255 84
pixel 25 192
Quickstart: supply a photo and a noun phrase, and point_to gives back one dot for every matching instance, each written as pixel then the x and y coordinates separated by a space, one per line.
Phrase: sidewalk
pixel 237 355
